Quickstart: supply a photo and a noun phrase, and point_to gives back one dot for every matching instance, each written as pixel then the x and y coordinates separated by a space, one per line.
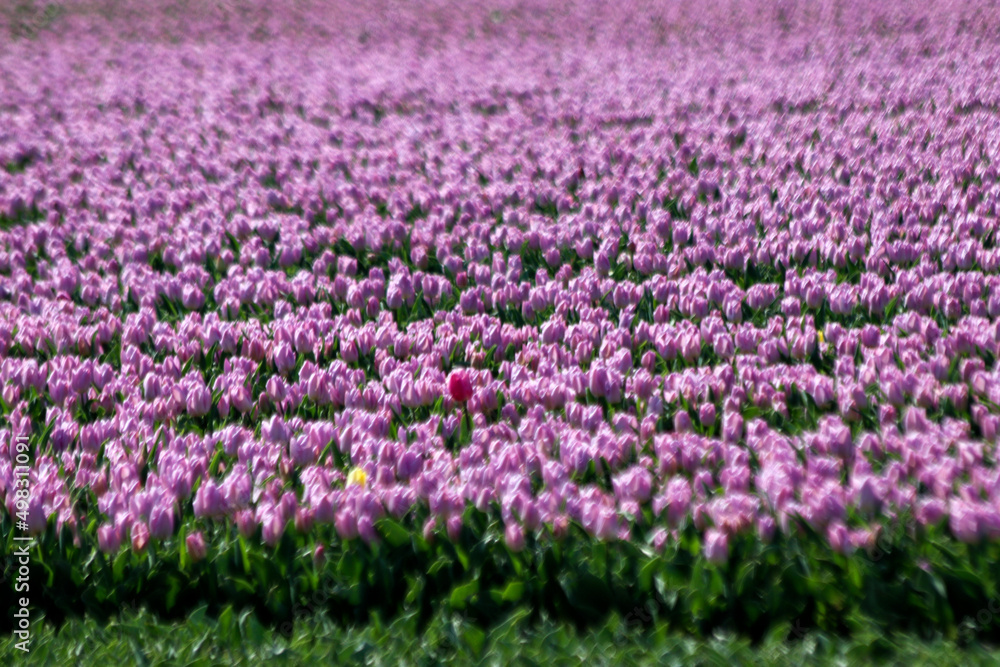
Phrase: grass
pixel 137 637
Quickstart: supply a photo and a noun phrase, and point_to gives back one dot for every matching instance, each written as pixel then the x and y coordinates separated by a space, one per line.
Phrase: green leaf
pixel 463 429
pixel 173 590
pixel 393 532
pixel 461 594
pixel 242 585
pixel 514 592
pixel 213 467
pixel 463 557
pixel 118 569
pixel 441 562
pixel 251 629
pixel 890 308
pixel 240 547
pixel 140 657
pixel 226 624
pixel 475 638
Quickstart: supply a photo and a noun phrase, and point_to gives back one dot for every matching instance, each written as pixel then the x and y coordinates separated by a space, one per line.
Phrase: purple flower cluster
pixel 315 282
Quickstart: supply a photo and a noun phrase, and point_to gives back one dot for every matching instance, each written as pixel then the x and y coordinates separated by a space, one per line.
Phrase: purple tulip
pixel 140 537
pixel 839 538
pixel 453 527
pixel 196 547
pixel 273 524
pixel 716 546
pixel 245 523
pixel 239 398
pixel 36 516
pixel 514 537
pixel 209 501
pixel 706 414
pixel 964 522
pixel 161 281
pixel 109 538
pixel 199 401
pixel 161 522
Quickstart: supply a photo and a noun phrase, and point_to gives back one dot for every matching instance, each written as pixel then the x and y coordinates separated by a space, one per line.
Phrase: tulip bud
pixel 706 414
pixel 682 422
pixel 357 477
pixel 460 386
pixel 272 527
pixel 196 548
pixel 161 522
pixel 245 523
pixel 109 539
pixel 284 358
pixel 514 537
pixel 209 501
pixel 453 526
pixel 140 537
pixel 239 398
pixel 839 538
pixel 716 546
pixel 199 401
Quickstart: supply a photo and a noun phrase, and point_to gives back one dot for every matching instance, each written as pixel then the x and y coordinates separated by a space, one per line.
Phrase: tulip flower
pixel 357 477
pixel 716 546
pixel 460 386
pixel 196 547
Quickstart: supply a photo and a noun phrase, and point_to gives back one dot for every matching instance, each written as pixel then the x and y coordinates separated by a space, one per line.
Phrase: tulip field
pixel 681 314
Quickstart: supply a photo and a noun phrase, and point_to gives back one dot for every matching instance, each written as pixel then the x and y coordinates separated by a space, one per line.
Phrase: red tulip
pixel 460 387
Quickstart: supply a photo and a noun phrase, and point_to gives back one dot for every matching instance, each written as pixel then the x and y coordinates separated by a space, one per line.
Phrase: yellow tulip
pixel 357 476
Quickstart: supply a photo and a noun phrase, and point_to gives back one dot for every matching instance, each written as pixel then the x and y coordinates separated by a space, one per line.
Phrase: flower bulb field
pixel 682 314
